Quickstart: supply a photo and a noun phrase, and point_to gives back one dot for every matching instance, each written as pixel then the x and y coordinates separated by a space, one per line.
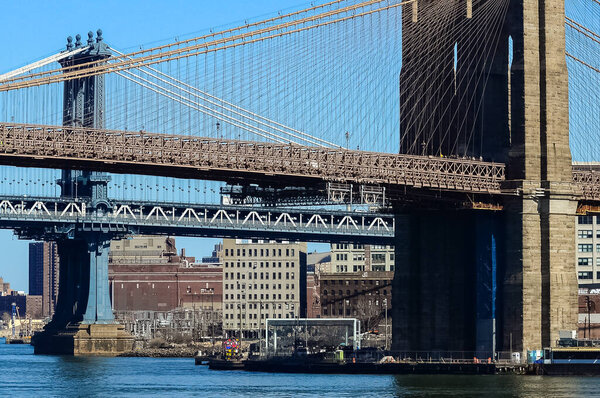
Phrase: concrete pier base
pixel 84 340
pixel 83 323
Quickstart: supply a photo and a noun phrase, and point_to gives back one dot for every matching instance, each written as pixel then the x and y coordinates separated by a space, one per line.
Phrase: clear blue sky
pixel 30 30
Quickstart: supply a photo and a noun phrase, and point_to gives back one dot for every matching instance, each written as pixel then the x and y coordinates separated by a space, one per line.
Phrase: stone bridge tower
pixel 524 256
pixel 540 284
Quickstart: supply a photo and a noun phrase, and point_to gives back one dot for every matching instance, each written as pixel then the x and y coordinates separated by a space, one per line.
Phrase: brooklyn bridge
pixel 466 132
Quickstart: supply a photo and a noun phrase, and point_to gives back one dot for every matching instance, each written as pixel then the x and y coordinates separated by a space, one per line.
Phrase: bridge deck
pixel 29 215
pixel 234 160
pixel 230 160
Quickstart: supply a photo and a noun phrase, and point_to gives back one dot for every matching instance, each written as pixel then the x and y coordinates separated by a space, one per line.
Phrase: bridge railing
pixel 589 182
pixel 150 153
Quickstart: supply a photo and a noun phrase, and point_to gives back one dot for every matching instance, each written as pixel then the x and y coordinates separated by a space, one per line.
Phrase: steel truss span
pixel 31 216
pixel 589 183
pixel 234 160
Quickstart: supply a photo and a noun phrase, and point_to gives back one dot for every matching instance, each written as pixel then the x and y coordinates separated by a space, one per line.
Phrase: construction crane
pixel 14 315
pixel 22 338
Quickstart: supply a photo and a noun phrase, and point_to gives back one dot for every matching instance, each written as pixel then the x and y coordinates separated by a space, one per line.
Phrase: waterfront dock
pixel 287 365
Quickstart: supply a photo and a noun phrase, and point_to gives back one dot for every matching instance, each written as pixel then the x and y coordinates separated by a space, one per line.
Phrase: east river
pixel 23 374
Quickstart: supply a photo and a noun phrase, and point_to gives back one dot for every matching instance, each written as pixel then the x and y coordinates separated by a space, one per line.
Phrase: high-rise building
pixel 588 249
pixel 348 257
pixel 44 274
pixel 262 279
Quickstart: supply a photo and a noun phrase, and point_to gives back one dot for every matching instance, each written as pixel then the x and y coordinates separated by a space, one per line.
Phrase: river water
pixel 23 374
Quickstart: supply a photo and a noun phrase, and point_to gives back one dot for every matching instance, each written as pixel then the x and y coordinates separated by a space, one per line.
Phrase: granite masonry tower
pixel 488 281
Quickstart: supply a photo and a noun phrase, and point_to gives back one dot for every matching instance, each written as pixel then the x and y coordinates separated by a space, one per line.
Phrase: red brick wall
pixel 163 287
pixel 313 303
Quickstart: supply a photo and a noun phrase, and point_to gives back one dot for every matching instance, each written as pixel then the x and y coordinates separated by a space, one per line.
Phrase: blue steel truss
pixel 37 217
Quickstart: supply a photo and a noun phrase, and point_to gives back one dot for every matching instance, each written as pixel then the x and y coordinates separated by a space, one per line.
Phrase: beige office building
pixel 587 240
pixel 262 279
pixel 348 257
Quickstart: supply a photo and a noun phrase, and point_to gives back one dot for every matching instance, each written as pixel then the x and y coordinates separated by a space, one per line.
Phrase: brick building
pixel 5 289
pixel 44 274
pixel 362 295
pixel 313 298
pixel 588 322
pixel 348 257
pixel 147 274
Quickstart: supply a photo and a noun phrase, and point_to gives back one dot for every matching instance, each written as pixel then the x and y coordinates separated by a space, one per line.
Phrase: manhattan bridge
pixel 463 132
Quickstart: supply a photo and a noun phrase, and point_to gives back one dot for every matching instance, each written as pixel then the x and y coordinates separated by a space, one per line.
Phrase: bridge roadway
pixel 227 160
pixel 30 215
pixel 234 161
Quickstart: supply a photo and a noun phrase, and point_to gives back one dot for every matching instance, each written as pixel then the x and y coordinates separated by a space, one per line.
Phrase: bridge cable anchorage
pixel 93 68
pixel 259 119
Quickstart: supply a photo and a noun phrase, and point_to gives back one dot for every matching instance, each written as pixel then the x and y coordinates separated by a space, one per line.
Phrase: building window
pixel 585 234
pixel 585 220
pixel 585 275
pixel 585 247
pixel 585 261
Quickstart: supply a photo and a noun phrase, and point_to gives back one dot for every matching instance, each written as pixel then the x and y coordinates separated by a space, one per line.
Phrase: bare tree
pixel 6 318
pixel 368 312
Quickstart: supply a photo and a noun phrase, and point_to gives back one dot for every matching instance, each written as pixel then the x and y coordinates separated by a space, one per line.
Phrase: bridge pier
pixel 444 282
pixel 539 281
pixel 83 323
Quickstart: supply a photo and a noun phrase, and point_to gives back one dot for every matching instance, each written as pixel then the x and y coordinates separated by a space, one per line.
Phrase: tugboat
pixel 231 357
